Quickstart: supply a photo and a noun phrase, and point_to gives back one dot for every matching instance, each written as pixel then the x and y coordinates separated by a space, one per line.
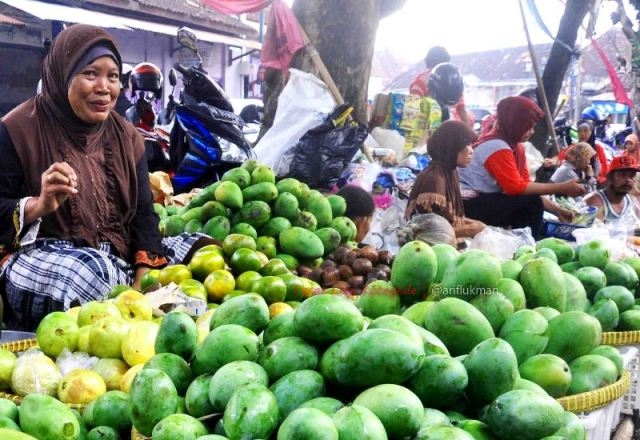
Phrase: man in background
pixel 123 102
pixel 420 85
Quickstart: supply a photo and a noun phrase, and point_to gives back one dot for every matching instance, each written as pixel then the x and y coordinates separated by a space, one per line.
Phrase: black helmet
pixel 146 77
pixel 445 84
pixel 529 92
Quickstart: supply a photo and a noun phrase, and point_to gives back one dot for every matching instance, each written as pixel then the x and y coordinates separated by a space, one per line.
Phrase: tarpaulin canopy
pixel 283 38
pixel 237 6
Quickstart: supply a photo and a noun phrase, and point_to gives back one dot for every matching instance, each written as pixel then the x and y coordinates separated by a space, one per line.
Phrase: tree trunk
pixel 343 32
pixel 559 61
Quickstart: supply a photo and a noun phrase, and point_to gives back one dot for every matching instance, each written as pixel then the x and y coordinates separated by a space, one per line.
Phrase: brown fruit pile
pixel 350 269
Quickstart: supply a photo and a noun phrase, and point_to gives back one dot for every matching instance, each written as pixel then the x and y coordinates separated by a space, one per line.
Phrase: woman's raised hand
pixel 58 182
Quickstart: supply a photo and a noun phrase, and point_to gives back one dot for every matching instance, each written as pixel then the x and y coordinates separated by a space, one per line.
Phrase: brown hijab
pixel 45 130
pixel 437 188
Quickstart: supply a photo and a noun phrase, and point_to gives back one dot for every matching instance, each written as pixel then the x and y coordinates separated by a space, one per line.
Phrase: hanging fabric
pixel 283 38
pixel 619 92
pixel 233 7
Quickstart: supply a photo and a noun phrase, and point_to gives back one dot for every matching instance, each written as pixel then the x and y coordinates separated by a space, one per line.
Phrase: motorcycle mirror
pixel 173 79
pixel 188 39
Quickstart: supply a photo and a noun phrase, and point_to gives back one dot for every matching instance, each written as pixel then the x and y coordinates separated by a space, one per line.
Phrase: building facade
pixel 146 32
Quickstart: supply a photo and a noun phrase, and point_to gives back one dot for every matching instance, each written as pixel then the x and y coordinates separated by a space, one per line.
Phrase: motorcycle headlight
pixel 231 152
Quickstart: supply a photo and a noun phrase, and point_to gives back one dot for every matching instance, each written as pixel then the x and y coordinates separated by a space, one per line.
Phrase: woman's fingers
pixel 61 174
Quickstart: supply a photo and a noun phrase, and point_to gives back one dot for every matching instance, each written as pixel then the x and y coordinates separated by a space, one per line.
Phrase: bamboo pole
pixel 542 95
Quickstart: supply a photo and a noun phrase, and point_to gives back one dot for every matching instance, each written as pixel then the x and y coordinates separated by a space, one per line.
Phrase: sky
pixel 464 26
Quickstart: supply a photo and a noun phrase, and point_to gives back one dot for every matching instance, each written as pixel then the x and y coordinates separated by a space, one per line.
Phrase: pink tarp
pixel 283 37
pixel 232 7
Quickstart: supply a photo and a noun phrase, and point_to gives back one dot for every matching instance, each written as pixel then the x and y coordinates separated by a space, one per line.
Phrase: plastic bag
pixel 68 361
pixel 361 174
pixel 303 104
pixel 500 242
pixel 534 159
pixel 324 152
pixel 430 228
pixel 385 225
pixel 389 139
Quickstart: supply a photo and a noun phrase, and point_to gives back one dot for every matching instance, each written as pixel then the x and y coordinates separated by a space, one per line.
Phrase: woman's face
pixel 582 163
pixel 584 133
pixel 93 92
pixel 527 135
pixel 363 224
pixel 465 156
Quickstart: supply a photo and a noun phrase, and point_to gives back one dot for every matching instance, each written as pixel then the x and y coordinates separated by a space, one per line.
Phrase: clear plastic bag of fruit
pixel 500 242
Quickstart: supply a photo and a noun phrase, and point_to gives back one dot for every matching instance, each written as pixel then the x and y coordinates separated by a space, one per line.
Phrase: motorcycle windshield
pixel 221 123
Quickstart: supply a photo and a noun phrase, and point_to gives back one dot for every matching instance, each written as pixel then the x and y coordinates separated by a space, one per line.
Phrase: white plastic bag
pixel 303 104
pixel 500 242
pixel 534 159
pixel 389 139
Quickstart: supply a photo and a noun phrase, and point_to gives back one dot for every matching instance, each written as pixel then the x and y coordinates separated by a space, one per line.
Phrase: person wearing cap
pixel 76 208
pixel 613 201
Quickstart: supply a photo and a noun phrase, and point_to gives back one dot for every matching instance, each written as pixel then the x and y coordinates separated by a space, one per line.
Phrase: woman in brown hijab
pixel 76 209
pixel 437 188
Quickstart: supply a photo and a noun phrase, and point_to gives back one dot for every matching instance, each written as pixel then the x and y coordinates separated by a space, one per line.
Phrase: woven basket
pixel 595 399
pixel 621 338
pixel 16 347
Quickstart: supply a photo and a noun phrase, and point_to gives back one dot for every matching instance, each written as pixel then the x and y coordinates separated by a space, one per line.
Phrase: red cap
pixel 623 163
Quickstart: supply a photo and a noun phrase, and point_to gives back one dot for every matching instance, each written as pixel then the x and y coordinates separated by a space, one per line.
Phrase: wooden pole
pixel 542 95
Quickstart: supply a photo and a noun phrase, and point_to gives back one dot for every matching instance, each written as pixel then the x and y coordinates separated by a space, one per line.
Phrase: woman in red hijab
pixel 496 186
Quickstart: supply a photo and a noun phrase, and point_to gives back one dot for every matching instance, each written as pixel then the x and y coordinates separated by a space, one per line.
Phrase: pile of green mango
pixel 248 200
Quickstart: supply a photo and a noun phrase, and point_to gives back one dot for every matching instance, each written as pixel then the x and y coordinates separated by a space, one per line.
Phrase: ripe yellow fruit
pixel 81 387
pixel 133 306
pixel 125 382
pixel 111 371
pixel 218 284
pixel 74 311
pixel 203 323
pixel 7 363
pixel 138 345
pixel 278 308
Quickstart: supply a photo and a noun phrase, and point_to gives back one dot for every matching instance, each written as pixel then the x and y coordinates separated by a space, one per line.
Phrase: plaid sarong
pixel 50 275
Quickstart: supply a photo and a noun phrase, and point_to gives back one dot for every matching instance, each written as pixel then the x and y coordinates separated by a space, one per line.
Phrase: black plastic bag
pixel 323 153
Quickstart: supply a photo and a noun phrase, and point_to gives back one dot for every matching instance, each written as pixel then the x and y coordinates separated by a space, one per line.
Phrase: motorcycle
pixel 207 137
pixel 146 84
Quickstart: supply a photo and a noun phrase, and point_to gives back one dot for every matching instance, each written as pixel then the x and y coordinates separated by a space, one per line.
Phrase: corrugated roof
pixel 199 13
pixel 5 19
